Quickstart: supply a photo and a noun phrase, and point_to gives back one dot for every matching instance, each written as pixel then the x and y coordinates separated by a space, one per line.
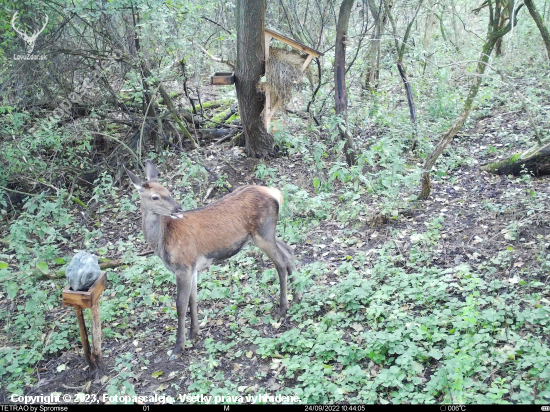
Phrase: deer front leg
pixel 184 282
pixel 193 306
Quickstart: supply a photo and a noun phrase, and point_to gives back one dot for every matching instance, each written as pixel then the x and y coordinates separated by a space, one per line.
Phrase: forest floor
pixel 495 226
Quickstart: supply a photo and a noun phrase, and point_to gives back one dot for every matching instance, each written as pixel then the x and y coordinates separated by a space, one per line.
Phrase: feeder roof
pixel 292 43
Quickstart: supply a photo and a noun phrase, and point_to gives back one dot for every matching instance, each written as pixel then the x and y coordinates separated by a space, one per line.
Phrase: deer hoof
pixel 297 297
pixel 176 352
pixel 194 334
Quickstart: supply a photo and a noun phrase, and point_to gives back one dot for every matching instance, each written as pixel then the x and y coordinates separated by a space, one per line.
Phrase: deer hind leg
pixel 193 307
pixel 280 260
pixel 184 283
pixel 291 267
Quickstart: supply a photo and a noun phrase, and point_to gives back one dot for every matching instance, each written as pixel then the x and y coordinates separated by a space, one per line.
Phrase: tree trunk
pixel 431 21
pixel 540 24
pixel 249 16
pixel 455 26
pixel 498 46
pixel 341 93
pixel 401 68
pixel 493 35
pixel 373 71
pixel 535 160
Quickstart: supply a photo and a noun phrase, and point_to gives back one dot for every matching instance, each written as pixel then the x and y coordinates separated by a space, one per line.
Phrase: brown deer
pixel 190 241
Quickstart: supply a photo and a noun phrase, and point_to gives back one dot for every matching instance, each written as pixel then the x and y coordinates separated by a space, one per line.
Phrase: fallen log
pixel 214 134
pixel 214 104
pixel 221 117
pixel 191 118
pixel 535 160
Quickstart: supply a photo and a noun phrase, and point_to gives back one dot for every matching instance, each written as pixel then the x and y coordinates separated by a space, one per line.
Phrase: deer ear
pixel 151 171
pixel 135 180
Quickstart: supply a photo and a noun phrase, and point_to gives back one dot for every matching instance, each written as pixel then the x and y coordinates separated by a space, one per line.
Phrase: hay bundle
pixel 283 73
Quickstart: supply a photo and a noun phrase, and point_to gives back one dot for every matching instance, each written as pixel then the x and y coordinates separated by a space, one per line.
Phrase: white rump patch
pixel 275 194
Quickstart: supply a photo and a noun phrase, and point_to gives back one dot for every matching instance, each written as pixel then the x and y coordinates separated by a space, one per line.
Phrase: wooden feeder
pixel 88 299
pixel 311 53
pixel 222 79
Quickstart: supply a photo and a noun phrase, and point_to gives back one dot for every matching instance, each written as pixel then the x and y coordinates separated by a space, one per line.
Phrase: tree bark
pixel 492 36
pixel 341 93
pixel 502 22
pixel 540 24
pixel 250 68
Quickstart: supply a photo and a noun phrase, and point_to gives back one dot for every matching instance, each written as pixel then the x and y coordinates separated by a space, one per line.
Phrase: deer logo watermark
pixel 29 40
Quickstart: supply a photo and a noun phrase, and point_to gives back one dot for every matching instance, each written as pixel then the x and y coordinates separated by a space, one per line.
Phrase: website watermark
pixel 29 40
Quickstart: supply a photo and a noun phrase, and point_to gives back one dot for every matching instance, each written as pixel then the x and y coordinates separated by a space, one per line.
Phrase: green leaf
pixel 3 265
pixel 43 267
pixel 156 374
pixel 12 289
pixel 60 261
pixel 31 305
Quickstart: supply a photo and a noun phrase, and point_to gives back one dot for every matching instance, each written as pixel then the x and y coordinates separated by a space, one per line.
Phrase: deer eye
pixel 155 197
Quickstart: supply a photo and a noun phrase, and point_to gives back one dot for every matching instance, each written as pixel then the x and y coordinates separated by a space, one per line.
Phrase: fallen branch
pixel 535 160
pixel 111 264
pixel 216 59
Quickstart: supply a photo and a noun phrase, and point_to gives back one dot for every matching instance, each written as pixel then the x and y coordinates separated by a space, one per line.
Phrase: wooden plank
pixel 85 299
pixel 274 109
pixel 96 335
pixel 267 39
pixel 267 108
pixel 222 79
pixel 77 299
pixel 306 63
pixel 293 43
pixel 83 335
pixel 98 287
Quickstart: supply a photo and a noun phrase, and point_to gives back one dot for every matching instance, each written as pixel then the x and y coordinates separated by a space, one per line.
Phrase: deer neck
pixel 154 229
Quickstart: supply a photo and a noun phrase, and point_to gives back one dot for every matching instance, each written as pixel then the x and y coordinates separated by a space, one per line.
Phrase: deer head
pixel 155 198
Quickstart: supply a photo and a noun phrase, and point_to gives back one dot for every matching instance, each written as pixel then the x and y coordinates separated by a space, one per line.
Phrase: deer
pixel 189 241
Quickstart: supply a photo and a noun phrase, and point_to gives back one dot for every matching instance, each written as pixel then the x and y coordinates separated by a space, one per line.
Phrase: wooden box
pixel 222 79
pixel 85 299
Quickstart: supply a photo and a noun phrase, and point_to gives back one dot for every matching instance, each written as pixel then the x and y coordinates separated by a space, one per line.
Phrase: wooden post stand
pixel 88 299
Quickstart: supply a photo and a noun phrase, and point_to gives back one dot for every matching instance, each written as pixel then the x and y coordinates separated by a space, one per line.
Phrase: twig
pixel 227 137
pixel 316 90
pixel 23 193
pixel 216 23
pixel 216 59
pixel 146 253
